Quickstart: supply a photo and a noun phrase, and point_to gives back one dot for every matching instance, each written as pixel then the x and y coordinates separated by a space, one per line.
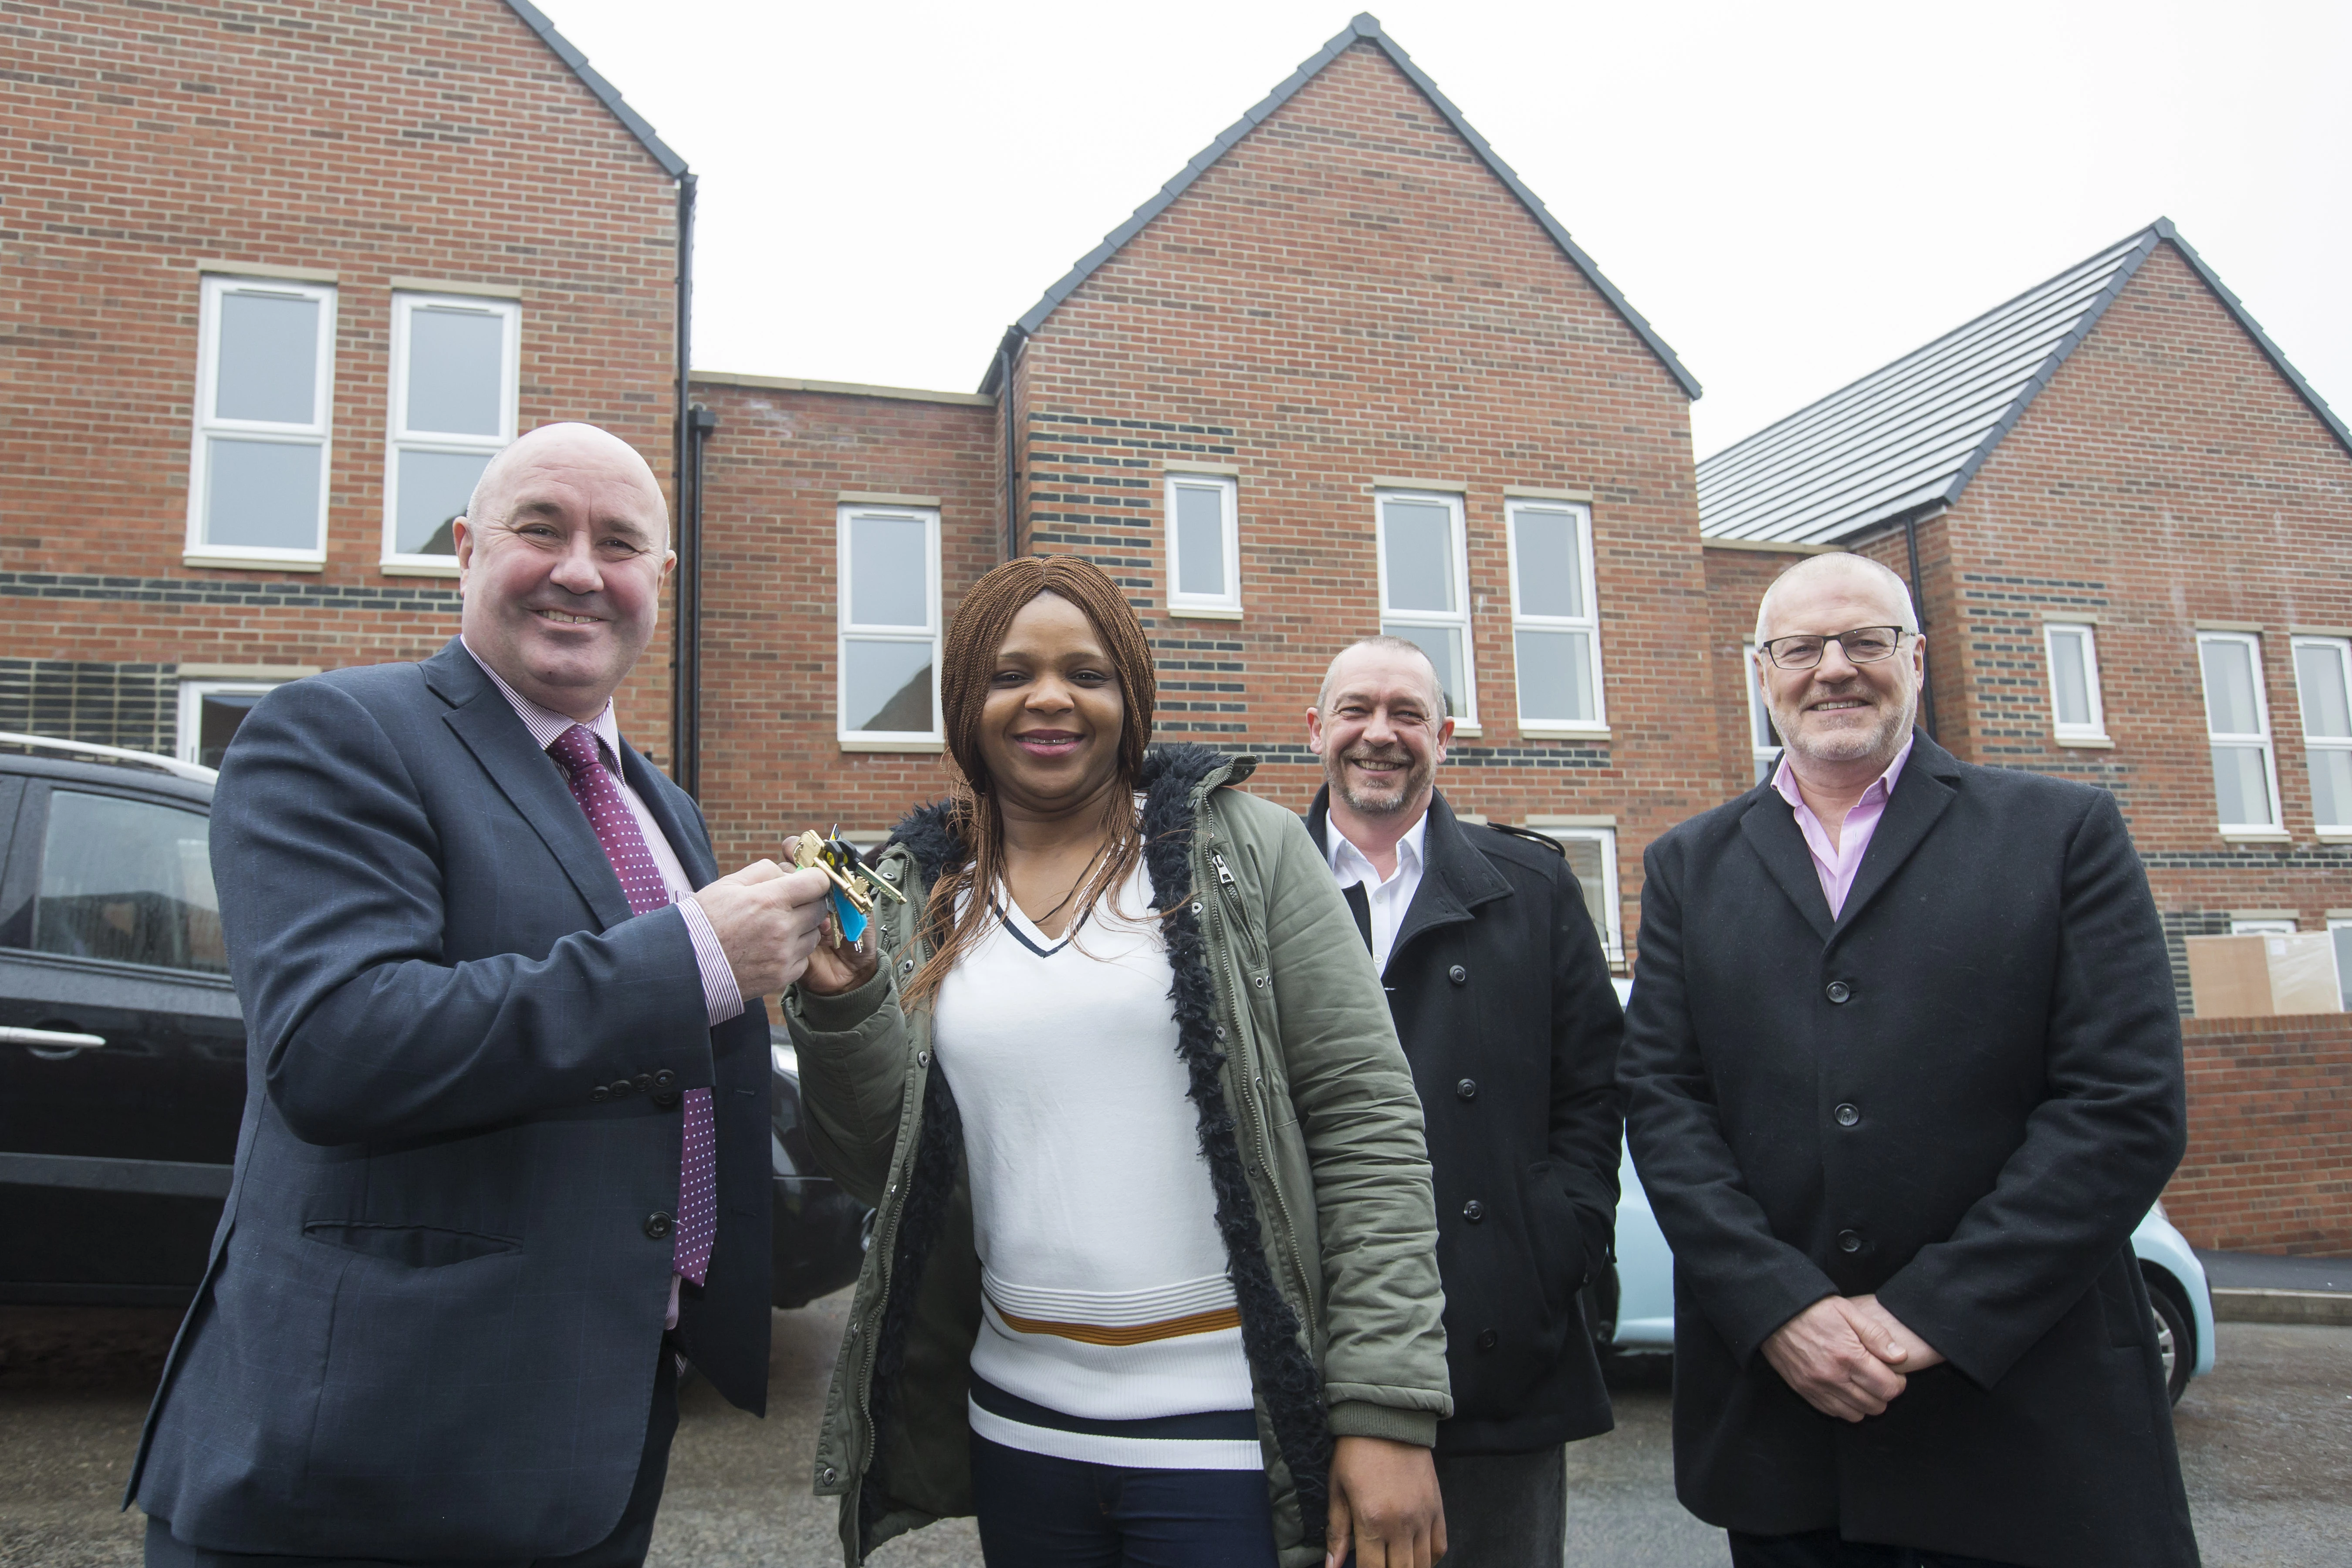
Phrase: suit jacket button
pixel 1849 1241
pixel 1457 974
pixel 1846 1115
pixel 622 1089
pixel 1837 991
pixel 1473 1211
pixel 664 1080
pixel 1467 1088
pixel 664 1101
pixel 600 1094
pixel 644 1081
pixel 1488 1338
pixel 659 1224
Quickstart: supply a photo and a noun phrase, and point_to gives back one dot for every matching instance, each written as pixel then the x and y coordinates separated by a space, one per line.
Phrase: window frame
pixel 399 438
pixel 1613 938
pixel 188 739
pixel 2342 649
pixel 2275 829
pixel 845 630
pixel 1214 607
pixel 2097 728
pixel 2265 925
pixel 2343 969
pixel 1767 757
pixel 1468 720
pixel 1589 622
pixel 318 431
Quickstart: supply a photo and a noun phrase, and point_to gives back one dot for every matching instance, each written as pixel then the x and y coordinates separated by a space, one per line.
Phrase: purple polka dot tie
pixel 624 846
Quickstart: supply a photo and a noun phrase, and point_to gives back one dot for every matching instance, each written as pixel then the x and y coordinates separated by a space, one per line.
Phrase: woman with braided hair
pixel 1152 1279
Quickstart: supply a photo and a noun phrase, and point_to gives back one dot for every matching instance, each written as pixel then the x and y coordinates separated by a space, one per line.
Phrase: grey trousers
pixel 1504 1511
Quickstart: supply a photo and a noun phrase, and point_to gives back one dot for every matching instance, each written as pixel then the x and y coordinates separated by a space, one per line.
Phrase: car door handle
pixel 49 1039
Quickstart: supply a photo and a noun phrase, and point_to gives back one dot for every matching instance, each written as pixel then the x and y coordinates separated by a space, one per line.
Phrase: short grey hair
pixel 1840 560
pixel 1386 644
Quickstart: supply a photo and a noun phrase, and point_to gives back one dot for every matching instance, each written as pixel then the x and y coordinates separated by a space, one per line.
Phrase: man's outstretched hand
pixel 1384 1503
pixel 1841 1356
pixel 767 921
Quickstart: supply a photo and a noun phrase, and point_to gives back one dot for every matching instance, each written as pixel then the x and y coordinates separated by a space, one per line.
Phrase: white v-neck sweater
pixel 1106 1308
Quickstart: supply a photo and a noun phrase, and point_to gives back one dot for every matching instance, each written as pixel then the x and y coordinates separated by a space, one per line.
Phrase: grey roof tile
pixel 606 93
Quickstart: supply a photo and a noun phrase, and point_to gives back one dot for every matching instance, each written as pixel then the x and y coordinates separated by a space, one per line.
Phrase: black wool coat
pixel 1961 1094
pixel 1501 997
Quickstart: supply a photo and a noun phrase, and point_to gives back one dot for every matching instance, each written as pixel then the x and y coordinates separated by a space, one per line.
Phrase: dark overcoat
pixel 1501 997
pixel 429 1326
pixel 1962 1094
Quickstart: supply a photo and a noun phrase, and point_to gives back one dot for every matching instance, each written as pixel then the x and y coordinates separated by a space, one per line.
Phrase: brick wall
pixel 2270 1117
pixel 440 140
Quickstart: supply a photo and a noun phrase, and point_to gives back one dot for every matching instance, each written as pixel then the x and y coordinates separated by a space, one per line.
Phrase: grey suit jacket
pixel 430 1322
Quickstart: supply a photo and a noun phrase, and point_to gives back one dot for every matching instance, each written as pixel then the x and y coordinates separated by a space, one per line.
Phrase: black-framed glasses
pixel 1863 645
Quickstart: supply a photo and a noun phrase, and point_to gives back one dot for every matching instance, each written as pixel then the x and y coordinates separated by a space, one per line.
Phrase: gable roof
pixel 1366 28
pixel 606 93
pixel 1913 433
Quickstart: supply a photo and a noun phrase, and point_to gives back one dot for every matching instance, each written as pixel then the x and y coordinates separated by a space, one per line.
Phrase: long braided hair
pixel 967 663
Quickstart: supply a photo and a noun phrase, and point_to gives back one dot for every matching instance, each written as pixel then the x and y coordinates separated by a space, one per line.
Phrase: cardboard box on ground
pixel 2255 976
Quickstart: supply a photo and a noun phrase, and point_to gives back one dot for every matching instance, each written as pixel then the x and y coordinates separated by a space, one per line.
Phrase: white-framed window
pixel 1763 740
pixel 455 371
pixel 1592 856
pixel 2339 926
pixel 1425 588
pixel 1204 545
pixel 888 668
pixel 265 393
pixel 2238 729
pixel 210 711
pixel 2077 713
pixel 2322 684
pixel 2263 926
pixel 1555 623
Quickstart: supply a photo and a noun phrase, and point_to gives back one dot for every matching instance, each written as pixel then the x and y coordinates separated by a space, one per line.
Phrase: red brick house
pixel 2126 517
pixel 1343 372
pixel 277 281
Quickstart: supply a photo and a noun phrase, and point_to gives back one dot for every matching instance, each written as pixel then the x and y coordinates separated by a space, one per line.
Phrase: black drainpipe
pixel 1920 608
pixel 685 483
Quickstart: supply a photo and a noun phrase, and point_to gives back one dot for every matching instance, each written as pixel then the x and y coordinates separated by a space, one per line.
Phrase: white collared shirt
pixel 1388 899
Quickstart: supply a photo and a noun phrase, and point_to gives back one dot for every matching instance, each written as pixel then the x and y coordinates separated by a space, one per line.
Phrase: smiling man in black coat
pixel 1904 1073
pixel 1502 999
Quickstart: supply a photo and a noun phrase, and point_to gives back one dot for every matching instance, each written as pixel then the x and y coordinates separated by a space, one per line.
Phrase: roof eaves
pixel 2163 228
pixel 606 93
pixel 1364 26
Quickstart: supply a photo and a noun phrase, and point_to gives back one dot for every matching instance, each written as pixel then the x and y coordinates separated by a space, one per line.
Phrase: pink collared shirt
pixel 1836 867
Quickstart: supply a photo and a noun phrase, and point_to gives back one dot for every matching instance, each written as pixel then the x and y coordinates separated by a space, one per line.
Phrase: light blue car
pixel 1634 1313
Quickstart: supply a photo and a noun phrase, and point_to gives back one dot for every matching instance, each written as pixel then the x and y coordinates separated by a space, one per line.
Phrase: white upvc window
pixel 1204 549
pixel 2323 683
pixel 2077 711
pixel 1555 623
pixel 1592 856
pixel 887 685
pixel 2238 729
pixel 2263 925
pixel 455 372
pixel 2339 929
pixel 1425 588
pixel 265 394
pixel 1763 741
pixel 210 711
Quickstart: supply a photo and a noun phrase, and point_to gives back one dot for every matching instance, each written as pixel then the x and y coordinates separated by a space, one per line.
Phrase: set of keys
pixel 854 888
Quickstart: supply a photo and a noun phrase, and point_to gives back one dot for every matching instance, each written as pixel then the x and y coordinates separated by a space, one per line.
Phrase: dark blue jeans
pixel 1036 1511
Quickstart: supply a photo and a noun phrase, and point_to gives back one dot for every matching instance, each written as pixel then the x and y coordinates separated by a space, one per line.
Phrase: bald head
pixel 570 445
pixel 1864 577
pixel 1376 653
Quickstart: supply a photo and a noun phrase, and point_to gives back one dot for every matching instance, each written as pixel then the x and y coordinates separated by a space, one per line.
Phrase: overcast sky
pixel 1793 194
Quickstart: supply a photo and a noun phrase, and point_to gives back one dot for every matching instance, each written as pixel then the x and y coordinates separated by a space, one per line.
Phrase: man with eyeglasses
pixel 1903 1071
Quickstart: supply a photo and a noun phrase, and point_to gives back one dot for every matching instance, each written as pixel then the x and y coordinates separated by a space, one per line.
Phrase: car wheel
pixel 2176 1342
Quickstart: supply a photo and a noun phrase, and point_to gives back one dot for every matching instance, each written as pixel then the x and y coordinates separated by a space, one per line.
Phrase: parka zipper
pixel 902 1169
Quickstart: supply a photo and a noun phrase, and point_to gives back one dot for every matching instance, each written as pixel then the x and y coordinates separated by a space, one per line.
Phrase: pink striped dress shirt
pixel 1836 866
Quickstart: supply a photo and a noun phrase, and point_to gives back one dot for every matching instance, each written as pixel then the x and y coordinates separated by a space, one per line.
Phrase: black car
pixel 122 1051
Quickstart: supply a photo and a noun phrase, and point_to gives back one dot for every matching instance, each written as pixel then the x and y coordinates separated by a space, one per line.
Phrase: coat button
pixel 1221 1031
pixel 664 1080
pixel 643 1082
pixel 923 1059
pixel 622 1089
pixel 659 1224
pixel 906 966
pixel 1837 991
pixel 663 1101
pixel 1467 1088
pixel 600 1094
pixel 1488 1338
pixel 1846 1115
pixel 826 1475
pixel 1849 1241
pixel 1473 1211
pixel 1457 974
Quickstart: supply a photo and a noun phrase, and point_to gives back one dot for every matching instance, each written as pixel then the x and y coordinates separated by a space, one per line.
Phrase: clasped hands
pixel 1847 1356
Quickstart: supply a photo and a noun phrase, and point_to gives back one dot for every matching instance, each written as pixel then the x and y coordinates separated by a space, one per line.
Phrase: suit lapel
pixel 686 839
pixel 1920 796
pixel 1771 827
pixel 528 777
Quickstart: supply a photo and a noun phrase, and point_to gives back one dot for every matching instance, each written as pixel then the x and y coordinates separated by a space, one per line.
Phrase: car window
pixel 129 880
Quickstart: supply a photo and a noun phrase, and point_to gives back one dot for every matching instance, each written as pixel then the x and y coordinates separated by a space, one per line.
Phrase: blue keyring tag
pixel 852 919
